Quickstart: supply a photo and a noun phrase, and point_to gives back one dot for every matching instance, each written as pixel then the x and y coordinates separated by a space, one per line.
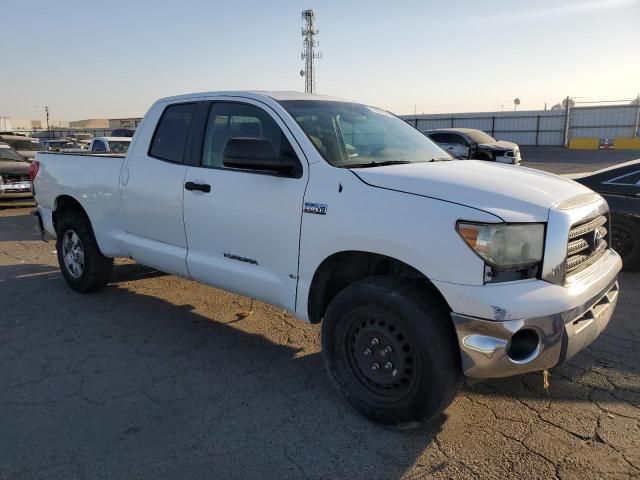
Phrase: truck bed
pixel 91 179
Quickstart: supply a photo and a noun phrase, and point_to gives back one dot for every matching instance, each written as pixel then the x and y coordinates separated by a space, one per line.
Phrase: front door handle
pixel 201 187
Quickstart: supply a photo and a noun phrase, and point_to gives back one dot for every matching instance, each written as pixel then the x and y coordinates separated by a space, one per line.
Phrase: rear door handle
pixel 201 187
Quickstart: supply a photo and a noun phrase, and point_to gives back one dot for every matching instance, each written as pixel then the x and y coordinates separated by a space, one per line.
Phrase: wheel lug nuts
pixel 374 342
pixel 394 373
pixel 385 351
pixel 366 352
pixel 375 366
pixel 388 366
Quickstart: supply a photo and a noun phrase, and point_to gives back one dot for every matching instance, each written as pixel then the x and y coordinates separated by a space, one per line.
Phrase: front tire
pixel 625 237
pixel 390 348
pixel 83 266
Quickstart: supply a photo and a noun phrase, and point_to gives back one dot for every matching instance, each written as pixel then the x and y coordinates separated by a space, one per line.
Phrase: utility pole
pixel 567 121
pixel 308 54
pixel 46 112
pixel 635 128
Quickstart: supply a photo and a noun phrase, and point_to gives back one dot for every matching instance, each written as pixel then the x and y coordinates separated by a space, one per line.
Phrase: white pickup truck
pixel 422 269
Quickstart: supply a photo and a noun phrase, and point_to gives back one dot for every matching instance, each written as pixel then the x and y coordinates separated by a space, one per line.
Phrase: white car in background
pixel 110 144
pixel 63 145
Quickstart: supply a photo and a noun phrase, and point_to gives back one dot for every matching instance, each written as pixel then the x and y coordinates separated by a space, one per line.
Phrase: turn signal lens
pixel 470 234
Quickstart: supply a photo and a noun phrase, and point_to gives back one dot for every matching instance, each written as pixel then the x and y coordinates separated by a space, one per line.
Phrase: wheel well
pixel 65 205
pixel 345 268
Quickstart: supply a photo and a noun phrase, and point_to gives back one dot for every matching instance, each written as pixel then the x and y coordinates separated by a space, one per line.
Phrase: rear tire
pixel 625 235
pixel 83 266
pixel 418 376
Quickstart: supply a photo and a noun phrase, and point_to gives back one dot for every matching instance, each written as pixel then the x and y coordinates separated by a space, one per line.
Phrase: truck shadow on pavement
pixel 20 227
pixel 120 384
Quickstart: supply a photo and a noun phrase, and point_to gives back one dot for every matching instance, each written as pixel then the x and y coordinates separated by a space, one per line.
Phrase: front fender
pixel 418 231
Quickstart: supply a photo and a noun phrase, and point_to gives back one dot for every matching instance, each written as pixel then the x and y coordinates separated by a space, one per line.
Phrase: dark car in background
pixel 469 143
pixel 15 183
pixel 620 186
pixel 122 132
pixel 27 147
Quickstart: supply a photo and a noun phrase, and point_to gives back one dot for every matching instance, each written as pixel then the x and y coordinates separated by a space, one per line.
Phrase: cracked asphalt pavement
pixel 160 377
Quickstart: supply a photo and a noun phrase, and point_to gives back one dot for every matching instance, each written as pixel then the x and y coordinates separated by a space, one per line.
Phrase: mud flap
pixel 43 233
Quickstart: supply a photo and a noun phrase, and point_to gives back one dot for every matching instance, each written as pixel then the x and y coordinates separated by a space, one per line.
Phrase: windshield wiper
pixel 442 159
pixel 378 164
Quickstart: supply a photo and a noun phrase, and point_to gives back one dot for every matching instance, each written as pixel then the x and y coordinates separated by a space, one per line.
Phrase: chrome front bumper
pixel 487 346
pixel 7 192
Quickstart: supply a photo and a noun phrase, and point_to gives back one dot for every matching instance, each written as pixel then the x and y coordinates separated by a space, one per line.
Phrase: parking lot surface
pixel 160 377
pixel 562 160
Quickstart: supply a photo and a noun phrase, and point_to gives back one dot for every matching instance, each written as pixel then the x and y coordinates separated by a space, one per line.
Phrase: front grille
pixel 14 178
pixel 587 242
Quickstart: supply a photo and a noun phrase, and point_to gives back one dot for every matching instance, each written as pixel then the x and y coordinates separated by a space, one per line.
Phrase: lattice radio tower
pixel 309 43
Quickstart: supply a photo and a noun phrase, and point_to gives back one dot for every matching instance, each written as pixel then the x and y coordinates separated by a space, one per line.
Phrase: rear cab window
pixel 170 138
pixel 98 146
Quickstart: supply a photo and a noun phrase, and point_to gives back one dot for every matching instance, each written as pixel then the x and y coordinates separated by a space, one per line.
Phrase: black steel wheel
pixel 625 239
pixel 382 355
pixel 390 348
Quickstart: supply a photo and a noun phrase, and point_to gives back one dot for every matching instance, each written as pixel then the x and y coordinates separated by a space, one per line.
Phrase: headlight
pixel 510 251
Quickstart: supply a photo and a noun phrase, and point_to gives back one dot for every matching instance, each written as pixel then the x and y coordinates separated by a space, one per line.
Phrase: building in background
pixel 16 124
pixel 90 123
pixel 106 123
pixel 124 122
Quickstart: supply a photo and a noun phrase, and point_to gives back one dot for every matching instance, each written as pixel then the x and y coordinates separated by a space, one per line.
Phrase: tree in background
pixel 563 105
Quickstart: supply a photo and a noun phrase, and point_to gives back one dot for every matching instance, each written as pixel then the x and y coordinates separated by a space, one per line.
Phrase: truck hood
pixel 499 145
pixel 18 168
pixel 515 194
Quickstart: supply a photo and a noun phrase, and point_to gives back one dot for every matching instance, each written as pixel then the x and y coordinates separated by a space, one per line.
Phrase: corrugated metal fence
pixel 541 127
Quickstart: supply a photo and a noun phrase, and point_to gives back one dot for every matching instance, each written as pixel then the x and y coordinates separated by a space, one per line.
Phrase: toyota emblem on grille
pixel 597 238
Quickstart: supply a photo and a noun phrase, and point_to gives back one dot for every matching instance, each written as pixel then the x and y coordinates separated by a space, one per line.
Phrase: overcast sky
pixel 89 59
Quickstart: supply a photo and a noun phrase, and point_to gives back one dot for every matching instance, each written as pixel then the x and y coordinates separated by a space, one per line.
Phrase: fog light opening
pixel 524 346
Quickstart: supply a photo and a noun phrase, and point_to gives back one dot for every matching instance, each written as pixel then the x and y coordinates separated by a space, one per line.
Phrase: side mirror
pixel 255 154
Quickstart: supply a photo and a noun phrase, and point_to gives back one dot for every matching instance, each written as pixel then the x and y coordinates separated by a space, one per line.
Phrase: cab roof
pixel 256 94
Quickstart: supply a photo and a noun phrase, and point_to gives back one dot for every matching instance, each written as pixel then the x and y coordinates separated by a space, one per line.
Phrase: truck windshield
pixel 9 154
pixel 352 135
pixel 479 136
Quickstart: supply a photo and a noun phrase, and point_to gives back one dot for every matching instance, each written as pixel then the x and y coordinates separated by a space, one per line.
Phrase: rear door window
pixel 170 138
